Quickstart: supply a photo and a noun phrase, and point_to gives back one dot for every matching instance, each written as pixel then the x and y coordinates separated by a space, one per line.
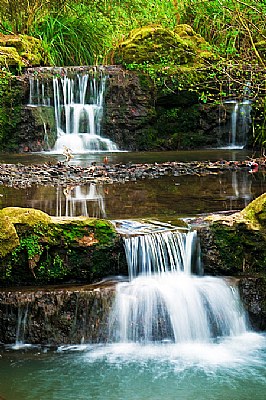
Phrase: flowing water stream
pixel 174 334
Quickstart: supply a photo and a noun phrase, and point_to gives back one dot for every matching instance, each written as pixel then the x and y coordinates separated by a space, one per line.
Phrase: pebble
pixel 48 174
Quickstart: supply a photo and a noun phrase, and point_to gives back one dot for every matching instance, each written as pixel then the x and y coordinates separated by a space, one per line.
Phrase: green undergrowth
pixel 10 110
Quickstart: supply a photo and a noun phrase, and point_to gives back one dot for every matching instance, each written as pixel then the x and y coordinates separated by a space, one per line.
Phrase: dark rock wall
pixel 137 116
pixel 140 117
pixel 130 111
pixel 253 294
pixel 55 316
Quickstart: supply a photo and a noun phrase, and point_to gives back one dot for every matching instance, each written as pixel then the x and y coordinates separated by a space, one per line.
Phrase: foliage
pixel 87 30
pixel 10 106
pixel 70 40
pixel 75 32
pixel 234 26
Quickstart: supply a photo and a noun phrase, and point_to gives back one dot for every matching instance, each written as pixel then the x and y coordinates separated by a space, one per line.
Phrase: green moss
pixel 21 51
pixel 174 59
pixel 255 212
pixel 241 249
pixel 155 45
pixel 8 236
pixel 104 232
pixel 28 216
pixel 31 50
pixel 9 56
pixel 37 248
pixel 10 110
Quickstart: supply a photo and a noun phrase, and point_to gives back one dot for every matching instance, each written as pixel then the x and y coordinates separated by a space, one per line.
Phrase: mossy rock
pixel 161 46
pixel 21 51
pixel 154 44
pixel 255 213
pixel 240 239
pixel 8 236
pixel 29 216
pixel 38 249
pixel 10 56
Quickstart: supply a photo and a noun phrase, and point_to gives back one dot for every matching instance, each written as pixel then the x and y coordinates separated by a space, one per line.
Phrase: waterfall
pixel 21 324
pixel 77 99
pixel 164 301
pixel 159 252
pixel 240 119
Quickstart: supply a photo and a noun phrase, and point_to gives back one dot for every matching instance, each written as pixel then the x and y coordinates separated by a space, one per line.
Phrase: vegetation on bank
pixel 85 31
pixel 230 34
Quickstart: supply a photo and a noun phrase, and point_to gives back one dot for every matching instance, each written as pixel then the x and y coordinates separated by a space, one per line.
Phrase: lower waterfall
pixel 164 301
pixel 172 333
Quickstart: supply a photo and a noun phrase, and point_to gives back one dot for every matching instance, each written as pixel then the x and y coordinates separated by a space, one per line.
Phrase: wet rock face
pixel 253 294
pixel 129 110
pixel 55 317
pixel 137 116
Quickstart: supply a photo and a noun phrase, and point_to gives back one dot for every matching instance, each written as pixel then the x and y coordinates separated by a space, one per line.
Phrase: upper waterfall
pixel 77 98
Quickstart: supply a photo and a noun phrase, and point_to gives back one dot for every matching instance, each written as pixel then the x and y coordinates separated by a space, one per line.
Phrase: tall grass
pixel 84 31
pixel 68 39
pixel 233 26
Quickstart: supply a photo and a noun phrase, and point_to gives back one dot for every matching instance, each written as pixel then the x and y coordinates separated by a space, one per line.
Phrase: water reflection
pixel 241 188
pixel 165 197
pixel 72 201
pixel 69 201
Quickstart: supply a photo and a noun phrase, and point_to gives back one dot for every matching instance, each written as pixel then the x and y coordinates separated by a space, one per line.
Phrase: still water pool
pixel 233 369
pixel 166 197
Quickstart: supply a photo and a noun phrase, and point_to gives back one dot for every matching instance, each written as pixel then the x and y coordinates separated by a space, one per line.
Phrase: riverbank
pixel 61 173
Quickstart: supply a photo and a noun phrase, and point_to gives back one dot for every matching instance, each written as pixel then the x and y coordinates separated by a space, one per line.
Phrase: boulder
pixel 20 51
pixel 155 45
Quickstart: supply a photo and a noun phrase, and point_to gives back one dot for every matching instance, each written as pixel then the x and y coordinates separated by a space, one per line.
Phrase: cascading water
pixel 173 336
pixel 240 119
pixel 163 301
pixel 78 108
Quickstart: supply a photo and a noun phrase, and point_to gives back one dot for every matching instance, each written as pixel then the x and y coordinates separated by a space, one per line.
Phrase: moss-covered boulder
pixel 155 45
pixel 37 249
pixel 236 244
pixel 21 51
pixel 255 213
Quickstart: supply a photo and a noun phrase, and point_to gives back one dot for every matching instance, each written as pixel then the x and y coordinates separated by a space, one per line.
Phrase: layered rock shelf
pixel 52 316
